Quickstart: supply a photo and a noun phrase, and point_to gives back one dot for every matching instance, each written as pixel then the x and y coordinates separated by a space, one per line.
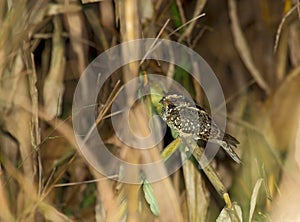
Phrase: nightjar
pixel 187 119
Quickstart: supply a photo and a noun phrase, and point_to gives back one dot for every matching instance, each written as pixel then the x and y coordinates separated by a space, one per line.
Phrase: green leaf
pixel 156 96
pixel 150 198
pixel 176 15
pixel 89 196
pixel 171 148
pixel 174 133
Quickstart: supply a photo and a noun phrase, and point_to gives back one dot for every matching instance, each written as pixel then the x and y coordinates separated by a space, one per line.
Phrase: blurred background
pixel 253 46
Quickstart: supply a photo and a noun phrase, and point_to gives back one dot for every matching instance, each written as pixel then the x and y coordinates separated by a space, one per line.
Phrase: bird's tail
pixel 228 143
pixel 231 140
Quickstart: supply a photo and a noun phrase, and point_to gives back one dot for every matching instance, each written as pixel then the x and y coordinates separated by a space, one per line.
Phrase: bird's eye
pixel 173 100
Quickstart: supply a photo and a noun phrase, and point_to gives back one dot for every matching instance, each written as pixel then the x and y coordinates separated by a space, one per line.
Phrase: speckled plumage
pixel 187 119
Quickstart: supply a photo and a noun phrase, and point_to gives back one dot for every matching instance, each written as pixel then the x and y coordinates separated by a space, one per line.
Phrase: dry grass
pixel 46 45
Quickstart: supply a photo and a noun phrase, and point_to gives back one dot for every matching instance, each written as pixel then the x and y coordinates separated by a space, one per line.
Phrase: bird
pixel 187 119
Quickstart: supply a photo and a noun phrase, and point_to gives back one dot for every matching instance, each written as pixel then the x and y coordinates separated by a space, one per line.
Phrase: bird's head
pixel 174 100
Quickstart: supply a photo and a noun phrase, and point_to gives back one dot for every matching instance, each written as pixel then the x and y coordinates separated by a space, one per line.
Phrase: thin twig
pixel 47 184
pixel 151 48
pixel 185 24
pixel 199 7
pixel 108 103
pixel 85 182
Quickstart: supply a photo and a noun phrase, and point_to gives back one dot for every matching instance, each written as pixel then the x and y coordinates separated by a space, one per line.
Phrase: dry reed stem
pixel 197 194
pixel 36 137
pixel 97 28
pixel 133 156
pixel 107 15
pixel 243 48
pixel 130 29
pixel 18 124
pixel 282 55
pixel 77 30
pixel 209 171
pixel 164 191
pixel 54 87
pixel 281 25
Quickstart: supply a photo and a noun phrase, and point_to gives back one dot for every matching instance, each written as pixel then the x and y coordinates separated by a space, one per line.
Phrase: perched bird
pixel 187 119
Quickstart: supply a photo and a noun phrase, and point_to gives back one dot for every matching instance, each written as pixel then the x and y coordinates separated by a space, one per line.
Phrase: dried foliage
pixel 45 46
